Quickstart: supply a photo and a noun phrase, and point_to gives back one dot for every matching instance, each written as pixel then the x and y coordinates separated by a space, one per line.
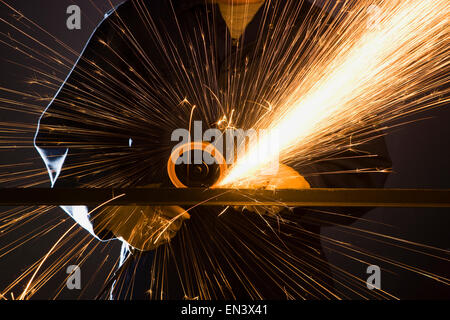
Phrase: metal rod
pixel 233 197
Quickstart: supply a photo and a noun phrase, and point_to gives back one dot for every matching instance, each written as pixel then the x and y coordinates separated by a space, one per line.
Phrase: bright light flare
pixel 360 81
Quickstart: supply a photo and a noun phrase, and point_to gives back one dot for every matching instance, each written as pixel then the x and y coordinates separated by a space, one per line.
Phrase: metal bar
pixel 234 197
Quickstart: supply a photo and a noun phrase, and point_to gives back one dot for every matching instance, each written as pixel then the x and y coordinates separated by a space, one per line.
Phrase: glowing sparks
pixel 362 84
pixel 351 79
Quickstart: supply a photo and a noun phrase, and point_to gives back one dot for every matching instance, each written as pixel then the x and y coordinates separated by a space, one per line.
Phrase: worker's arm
pixel 365 166
pixel 62 135
pixel 78 138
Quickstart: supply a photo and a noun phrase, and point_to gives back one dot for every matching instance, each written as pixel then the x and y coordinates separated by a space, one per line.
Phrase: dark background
pixel 420 153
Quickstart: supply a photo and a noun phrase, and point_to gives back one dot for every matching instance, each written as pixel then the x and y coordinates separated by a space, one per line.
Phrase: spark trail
pixel 366 79
pixel 317 103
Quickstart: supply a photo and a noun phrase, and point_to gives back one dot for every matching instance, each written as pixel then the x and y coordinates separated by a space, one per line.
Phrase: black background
pixel 420 153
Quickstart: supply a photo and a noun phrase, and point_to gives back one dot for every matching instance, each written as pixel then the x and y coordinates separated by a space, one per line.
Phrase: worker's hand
pixel 285 178
pixel 146 227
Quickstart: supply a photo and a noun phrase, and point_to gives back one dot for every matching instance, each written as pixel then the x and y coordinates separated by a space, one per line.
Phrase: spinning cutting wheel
pixel 196 164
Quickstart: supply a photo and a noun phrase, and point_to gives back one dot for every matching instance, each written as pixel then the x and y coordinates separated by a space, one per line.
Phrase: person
pixel 153 66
